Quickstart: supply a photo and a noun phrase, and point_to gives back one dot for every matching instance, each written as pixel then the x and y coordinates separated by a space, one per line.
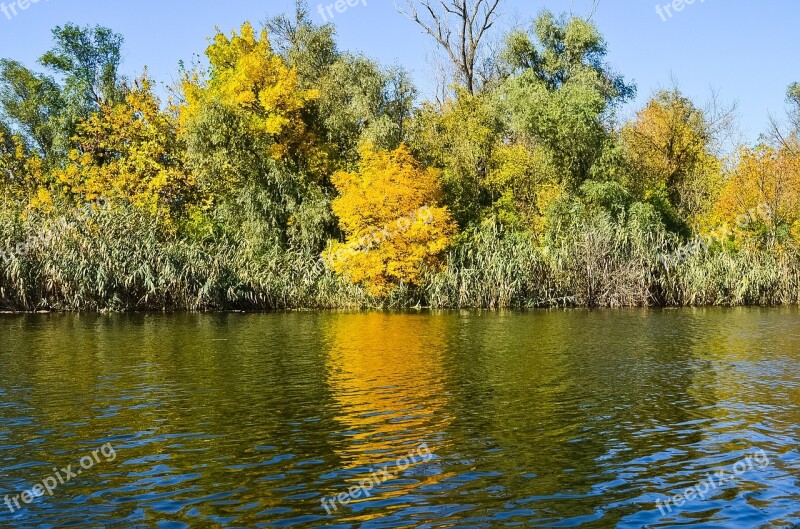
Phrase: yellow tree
pixel 389 210
pixel 669 145
pixel 264 108
pixel 23 179
pixel 130 151
pixel 763 191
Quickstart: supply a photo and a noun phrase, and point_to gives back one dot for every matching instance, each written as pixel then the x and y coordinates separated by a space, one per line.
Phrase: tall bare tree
pixel 459 27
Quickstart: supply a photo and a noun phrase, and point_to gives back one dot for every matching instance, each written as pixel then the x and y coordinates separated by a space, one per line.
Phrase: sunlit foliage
pixel 389 210
pixel 22 174
pixel 130 151
pixel 284 171
pixel 460 138
pixel 762 195
pixel 254 84
pixel 669 145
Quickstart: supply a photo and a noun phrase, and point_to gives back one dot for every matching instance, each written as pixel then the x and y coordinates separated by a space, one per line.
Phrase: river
pixel 597 419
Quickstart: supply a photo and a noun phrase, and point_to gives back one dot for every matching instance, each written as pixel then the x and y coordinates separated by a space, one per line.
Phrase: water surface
pixel 539 419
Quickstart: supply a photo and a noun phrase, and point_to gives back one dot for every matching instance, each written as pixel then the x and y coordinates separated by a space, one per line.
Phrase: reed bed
pixel 121 260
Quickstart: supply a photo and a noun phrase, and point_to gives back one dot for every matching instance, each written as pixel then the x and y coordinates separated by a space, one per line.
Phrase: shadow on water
pixel 535 419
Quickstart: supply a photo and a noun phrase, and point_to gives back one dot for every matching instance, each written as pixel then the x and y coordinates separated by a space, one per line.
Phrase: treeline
pixel 284 172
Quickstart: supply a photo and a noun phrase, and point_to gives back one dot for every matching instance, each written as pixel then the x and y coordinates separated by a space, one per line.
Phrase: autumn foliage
pixel 669 148
pixel 281 171
pixel 763 193
pixel 390 213
pixel 130 151
pixel 249 79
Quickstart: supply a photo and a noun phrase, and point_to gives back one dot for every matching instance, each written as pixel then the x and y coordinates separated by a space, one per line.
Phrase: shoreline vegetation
pixel 282 172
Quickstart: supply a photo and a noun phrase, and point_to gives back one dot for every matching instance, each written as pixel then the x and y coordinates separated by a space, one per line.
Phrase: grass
pixel 119 260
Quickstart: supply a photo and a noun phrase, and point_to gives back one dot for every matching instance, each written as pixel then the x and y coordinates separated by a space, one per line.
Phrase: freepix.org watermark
pixel 340 6
pixel 374 238
pixel 365 486
pixel 59 477
pixel 12 9
pixel 668 10
pixel 757 461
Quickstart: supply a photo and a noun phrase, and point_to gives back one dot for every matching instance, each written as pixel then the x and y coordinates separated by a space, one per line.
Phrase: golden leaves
pixel 766 179
pixel 249 79
pixel 388 210
pixel 129 151
pixel 669 147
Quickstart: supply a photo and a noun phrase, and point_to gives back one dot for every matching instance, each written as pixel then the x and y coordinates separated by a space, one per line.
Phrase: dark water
pixel 545 419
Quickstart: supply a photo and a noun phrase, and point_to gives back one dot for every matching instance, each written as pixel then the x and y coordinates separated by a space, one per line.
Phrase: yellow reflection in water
pixel 386 374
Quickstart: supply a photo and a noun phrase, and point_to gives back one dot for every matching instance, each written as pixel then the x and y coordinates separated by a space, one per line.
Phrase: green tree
pixel 307 47
pixel 88 59
pixel 46 112
pixel 33 103
pixel 360 102
pixel 560 50
pixel 357 101
pixel 560 94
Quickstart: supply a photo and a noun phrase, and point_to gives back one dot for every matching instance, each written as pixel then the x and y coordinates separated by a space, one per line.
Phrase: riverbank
pixel 112 272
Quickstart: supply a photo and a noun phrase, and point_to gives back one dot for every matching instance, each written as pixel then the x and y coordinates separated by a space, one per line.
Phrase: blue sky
pixel 745 50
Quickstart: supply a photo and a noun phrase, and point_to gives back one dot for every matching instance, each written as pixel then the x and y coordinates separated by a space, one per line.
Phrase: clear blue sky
pixel 746 50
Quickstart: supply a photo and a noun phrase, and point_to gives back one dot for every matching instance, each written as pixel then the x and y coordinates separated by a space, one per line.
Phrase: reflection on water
pixel 541 419
pixel 388 385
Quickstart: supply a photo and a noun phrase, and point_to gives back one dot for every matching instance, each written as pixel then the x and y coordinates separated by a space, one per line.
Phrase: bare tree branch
pixel 459 27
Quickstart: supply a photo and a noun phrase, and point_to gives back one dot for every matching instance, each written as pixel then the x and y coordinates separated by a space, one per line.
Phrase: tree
pixel 790 141
pixel 252 146
pixel 88 59
pixel 670 147
pixel 559 51
pixel 358 100
pixel 568 123
pixel 389 211
pixel 33 102
pixel 251 103
pixel 22 173
pixel 459 28
pixel 524 183
pixel 459 138
pixel 46 113
pixel 560 94
pixel 306 47
pixel 130 151
pixel 762 195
